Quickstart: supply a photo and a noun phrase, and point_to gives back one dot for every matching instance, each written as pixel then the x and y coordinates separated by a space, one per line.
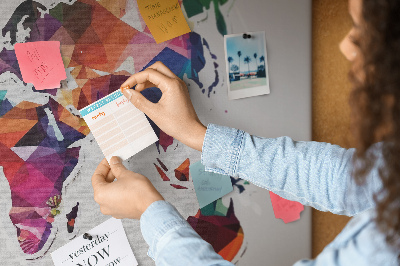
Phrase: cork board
pixel 330 97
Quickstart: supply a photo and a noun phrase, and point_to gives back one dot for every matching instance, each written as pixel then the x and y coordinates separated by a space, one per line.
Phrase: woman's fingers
pixel 160 67
pixel 110 177
pixel 153 76
pixel 100 174
pixel 146 79
pixel 140 102
pixel 143 86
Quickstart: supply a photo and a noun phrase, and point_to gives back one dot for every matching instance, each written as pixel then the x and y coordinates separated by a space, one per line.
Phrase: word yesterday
pixel 92 244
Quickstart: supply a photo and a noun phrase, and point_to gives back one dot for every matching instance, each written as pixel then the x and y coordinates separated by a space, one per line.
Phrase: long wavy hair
pixel 375 103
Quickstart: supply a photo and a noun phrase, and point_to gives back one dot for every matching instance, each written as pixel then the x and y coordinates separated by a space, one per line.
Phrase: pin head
pixel 246 36
pixel 87 236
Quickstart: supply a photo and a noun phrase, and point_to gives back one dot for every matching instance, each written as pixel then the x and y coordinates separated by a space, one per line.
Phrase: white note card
pixel 118 126
pixel 109 247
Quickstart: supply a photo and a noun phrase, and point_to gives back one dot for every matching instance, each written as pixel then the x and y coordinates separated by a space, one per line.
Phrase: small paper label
pixel 209 186
pixel 109 246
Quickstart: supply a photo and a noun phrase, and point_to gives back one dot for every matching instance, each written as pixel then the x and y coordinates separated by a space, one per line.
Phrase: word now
pixel 93 259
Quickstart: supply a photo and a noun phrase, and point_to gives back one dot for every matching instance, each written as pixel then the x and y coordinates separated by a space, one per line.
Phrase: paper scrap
pixel 209 186
pixel 41 64
pixel 164 18
pixel 109 246
pixel 118 126
pixel 287 210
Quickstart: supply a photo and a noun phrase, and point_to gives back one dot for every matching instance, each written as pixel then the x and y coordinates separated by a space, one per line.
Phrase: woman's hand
pixel 127 197
pixel 174 113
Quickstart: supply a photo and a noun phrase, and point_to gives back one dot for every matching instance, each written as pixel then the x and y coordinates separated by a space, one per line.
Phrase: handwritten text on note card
pixel 109 246
pixel 41 64
pixel 164 18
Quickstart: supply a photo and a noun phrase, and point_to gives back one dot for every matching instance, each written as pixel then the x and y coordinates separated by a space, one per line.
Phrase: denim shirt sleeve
pixel 172 241
pixel 312 173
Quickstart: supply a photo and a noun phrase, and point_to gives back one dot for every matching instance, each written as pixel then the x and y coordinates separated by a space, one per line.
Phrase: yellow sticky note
pixel 164 18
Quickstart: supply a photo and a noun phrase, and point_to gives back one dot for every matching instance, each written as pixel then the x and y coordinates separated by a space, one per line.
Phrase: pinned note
pixel 164 18
pixel 118 126
pixel 108 246
pixel 287 210
pixel 209 186
pixel 41 64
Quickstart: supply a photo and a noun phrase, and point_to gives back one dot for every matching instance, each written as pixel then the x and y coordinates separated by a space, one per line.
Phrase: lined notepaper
pixel 118 126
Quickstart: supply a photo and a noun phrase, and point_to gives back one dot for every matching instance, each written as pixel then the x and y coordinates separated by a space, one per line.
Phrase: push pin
pixel 87 236
pixel 246 36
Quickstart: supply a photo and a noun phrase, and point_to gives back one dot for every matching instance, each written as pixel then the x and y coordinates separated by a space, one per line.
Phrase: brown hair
pixel 375 102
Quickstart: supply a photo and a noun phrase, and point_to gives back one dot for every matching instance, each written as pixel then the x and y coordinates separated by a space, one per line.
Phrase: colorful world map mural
pixel 35 139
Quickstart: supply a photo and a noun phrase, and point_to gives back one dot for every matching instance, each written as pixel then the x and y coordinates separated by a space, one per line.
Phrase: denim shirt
pixel 312 173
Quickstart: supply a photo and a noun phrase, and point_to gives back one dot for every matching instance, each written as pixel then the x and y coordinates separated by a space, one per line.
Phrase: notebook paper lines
pixel 118 126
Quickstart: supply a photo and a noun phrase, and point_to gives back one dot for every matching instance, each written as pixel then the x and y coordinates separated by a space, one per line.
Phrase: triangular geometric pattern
pixel 182 172
pixel 219 226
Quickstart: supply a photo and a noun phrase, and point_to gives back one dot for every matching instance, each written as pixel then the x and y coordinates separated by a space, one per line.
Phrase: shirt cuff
pixel 159 218
pixel 222 148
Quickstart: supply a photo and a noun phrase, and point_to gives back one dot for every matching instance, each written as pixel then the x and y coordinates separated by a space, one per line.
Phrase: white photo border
pixel 248 92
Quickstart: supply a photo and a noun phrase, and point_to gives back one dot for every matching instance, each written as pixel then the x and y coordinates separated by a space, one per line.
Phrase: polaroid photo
pixel 246 64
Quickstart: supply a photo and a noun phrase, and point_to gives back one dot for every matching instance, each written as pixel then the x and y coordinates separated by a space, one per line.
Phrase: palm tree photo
pixel 248 51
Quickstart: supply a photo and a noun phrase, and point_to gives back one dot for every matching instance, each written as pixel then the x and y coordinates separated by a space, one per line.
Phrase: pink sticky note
pixel 41 64
pixel 284 209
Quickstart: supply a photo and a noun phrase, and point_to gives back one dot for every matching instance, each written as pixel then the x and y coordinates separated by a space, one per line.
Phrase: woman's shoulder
pixel 363 237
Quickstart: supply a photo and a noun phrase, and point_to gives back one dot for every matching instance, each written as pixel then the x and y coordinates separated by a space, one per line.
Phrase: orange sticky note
pixel 164 18
pixel 41 64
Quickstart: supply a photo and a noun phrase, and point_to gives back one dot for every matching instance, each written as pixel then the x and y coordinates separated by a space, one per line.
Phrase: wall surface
pixel 331 89
pixel 62 169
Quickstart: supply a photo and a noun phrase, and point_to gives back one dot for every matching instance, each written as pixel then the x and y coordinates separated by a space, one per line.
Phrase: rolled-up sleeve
pixel 313 173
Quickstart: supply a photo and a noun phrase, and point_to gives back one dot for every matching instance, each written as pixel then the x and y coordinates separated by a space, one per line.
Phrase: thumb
pixel 117 168
pixel 138 100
